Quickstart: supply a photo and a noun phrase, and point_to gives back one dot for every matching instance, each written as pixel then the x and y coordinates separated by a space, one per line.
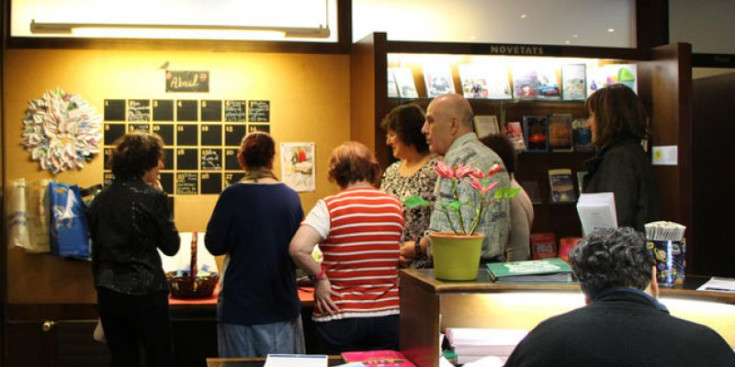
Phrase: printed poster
pixel 297 166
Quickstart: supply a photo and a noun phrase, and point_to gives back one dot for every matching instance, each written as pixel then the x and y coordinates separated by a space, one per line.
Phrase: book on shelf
pixel 438 79
pixel 514 132
pixel 543 245
pixel 532 190
pixel 560 132
pixel 486 125
pixel 581 136
pixel 525 82
pixel 548 270
pixel 392 86
pixel 561 185
pixel 548 83
pixel 404 82
pixel 536 133
pixel 597 211
pixel 610 74
pixel 574 82
pixel 566 245
pixel 484 81
pixel 378 358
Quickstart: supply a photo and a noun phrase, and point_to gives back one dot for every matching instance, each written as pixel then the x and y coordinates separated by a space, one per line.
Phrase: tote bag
pixel 69 236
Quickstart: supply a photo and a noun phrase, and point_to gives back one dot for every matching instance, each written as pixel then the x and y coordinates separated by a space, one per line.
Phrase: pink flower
pixel 489 188
pixel 462 170
pixel 476 172
pixel 475 184
pixel 444 171
pixel 493 170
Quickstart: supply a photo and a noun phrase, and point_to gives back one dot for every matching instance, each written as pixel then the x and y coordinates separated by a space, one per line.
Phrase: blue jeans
pixel 285 337
pixel 357 333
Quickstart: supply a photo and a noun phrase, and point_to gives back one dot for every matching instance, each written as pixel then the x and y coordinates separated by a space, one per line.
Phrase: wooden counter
pixel 429 305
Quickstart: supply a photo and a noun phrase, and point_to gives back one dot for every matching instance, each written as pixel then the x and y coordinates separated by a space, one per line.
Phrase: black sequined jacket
pixel 128 221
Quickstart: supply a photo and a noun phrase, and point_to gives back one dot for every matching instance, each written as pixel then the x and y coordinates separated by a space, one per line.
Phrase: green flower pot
pixel 456 257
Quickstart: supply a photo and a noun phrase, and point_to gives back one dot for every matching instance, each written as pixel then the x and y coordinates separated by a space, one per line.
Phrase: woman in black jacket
pixel 618 123
pixel 128 221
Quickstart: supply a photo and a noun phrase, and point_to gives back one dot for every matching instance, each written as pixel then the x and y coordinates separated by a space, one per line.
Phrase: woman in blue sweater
pixel 258 309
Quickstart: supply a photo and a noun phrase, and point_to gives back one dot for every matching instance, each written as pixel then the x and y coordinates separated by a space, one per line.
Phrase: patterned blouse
pixel 421 183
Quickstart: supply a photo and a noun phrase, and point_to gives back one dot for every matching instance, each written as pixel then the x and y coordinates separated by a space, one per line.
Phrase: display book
pixel 543 245
pixel 549 270
pixel 471 344
pixel 378 358
pixel 561 184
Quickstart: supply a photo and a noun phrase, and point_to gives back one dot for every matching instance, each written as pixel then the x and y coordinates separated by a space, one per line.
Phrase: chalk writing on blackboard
pixel 139 110
pixel 211 159
pixel 259 111
pixel 187 81
pixel 235 110
pixel 187 183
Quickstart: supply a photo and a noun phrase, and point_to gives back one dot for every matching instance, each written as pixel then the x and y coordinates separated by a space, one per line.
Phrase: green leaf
pixel 506 192
pixel 454 205
pixel 416 201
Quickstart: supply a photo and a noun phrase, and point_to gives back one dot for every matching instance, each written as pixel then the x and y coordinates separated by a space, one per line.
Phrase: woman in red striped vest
pixel 359 232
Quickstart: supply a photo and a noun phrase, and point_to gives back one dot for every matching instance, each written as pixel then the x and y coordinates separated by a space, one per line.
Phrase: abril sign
pixel 187 81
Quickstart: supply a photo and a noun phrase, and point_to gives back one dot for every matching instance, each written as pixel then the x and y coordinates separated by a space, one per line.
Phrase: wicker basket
pixel 182 286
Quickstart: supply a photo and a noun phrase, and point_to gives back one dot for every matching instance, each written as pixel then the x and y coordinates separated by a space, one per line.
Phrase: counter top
pixel 306 295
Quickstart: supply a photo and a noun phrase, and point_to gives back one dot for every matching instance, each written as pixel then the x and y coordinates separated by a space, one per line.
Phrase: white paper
pixel 489 361
pixel 716 284
pixel 666 155
pixel 597 211
pixel 296 360
pixel 182 259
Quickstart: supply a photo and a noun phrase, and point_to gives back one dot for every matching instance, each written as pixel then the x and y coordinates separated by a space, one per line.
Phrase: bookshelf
pixel 664 85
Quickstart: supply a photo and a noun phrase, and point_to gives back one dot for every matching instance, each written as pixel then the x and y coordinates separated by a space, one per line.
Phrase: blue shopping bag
pixel 69 234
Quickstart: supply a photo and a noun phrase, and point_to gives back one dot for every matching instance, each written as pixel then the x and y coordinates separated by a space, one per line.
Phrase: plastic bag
pixel 69 230
pixel 15 214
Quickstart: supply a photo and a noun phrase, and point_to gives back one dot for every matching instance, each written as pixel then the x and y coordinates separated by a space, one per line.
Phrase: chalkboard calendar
pixel 202 137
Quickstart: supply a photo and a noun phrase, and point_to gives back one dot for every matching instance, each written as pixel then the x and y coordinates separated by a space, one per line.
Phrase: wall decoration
pixel 187 81
pixel 297 166
pixel 61 131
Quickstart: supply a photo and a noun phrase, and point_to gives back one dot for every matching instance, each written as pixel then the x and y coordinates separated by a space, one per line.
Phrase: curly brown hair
pixel 407 120
pixel 618 111
pixel 135 153
pixel 352 162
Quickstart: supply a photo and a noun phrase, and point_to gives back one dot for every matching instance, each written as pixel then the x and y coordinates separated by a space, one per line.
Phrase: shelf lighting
pixel 71 28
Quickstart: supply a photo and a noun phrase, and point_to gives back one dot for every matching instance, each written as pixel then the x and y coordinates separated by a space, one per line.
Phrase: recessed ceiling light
pixel 523 16
pixel 567 42
pixel 611 30
pixel 575 35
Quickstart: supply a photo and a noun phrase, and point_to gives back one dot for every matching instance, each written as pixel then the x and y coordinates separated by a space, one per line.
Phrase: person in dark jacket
pixel 618 123
pixel 128 221
pixel 623 323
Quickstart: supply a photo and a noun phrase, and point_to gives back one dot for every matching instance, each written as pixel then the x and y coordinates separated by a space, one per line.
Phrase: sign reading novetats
pixel 187 81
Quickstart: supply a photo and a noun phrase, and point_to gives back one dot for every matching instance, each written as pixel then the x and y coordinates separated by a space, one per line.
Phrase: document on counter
pixel 301 360
pixel 718 284
pixel 597 211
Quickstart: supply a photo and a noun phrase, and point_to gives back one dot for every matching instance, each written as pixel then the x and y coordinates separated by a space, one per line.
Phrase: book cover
pixel 548 83
pixel 474 83
pixel 514 132
pixel 581 136
pixel 543 245
pixel 566 245
pixel 378 358
pixel 525 83
pixel 562 185
pixel 613 74
pixel 536 133
pixel 486 125
pixel 560 132
pixel 550 270
pixel 404 82
pixel 597 211
pixel 438 79
pixel 574 82
pixel 392 86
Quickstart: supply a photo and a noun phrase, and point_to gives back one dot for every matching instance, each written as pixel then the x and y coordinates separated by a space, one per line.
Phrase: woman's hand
pixel 322 297
pixel 156 184
pixel 408 253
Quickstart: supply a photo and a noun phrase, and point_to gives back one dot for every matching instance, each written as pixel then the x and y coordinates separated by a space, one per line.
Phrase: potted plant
pixel 457 253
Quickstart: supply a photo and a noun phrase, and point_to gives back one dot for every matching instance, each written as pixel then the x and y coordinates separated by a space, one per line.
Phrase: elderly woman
pixel 618 122
pixel 258 310
pixel 128 221
pixel 413 174
pixel 359 232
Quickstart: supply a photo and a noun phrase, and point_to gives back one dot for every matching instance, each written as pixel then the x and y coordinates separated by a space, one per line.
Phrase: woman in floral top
pixel 412 174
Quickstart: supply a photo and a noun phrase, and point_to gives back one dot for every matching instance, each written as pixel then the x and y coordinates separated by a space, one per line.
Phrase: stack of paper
pixel 597 211
pixel 471 344
pixel 301 360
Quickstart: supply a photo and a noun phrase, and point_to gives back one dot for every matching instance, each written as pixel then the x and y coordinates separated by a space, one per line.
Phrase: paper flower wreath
pixel 61 131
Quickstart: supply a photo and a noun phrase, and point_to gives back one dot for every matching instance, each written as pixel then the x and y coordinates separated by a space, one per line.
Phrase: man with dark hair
pixel 623 323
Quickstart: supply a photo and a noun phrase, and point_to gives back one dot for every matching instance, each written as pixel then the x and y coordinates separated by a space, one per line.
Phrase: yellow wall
pixel 309 97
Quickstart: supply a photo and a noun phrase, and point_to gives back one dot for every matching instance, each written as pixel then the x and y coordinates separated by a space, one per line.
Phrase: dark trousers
pixel 132 323
pixel 357 333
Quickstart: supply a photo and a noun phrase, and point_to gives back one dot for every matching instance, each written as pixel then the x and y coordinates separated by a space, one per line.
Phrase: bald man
pixel 449 132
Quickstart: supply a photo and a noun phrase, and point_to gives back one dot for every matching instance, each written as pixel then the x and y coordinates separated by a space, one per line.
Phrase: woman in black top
pixel 128 221
pixel 618 123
